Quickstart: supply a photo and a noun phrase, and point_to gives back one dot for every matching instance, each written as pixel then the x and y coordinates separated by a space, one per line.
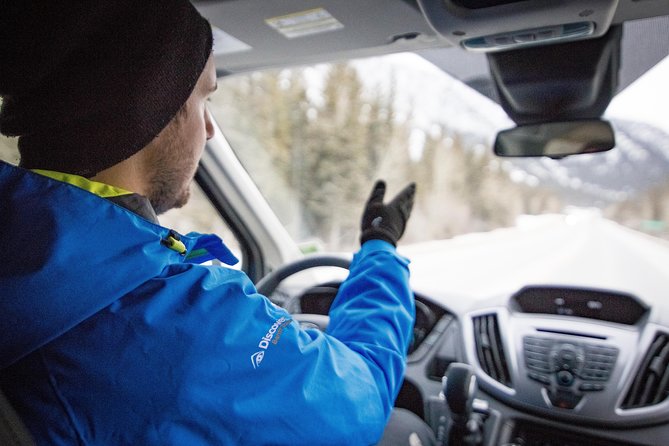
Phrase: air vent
pixel 489 348
pixel 651 385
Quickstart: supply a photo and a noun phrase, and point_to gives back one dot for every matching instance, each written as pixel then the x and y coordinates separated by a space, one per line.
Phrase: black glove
pixel 386 221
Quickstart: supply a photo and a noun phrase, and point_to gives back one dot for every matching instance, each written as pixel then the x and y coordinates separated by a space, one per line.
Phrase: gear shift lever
pixel 457 417
pixel 459 387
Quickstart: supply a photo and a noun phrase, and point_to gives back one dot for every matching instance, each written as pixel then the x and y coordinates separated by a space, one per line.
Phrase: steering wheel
pixel 268 284
pixel 425 317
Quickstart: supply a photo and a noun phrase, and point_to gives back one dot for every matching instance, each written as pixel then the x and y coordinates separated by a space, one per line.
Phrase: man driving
pixel 113 330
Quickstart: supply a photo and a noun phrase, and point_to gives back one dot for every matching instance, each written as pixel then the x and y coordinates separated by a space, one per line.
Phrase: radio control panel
pixel 568 370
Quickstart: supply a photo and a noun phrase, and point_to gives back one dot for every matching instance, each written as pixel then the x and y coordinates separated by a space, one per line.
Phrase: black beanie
pixel 86 84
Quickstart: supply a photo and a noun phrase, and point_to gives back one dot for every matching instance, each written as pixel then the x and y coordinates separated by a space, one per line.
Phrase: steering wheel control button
pixel 565 378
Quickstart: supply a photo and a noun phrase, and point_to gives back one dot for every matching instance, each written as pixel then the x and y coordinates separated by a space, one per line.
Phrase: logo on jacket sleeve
pixel 272 337
pixel 256 358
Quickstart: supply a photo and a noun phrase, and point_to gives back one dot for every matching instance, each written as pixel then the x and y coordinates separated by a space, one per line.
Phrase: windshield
pixel 314 140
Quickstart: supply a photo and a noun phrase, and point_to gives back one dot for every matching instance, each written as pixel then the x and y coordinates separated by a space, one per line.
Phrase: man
pixel 113 333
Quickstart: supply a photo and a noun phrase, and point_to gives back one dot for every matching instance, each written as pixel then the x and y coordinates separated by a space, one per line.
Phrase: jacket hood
pixel 69 254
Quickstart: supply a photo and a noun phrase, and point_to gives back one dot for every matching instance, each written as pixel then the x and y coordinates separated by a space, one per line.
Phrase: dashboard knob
pixel 565 378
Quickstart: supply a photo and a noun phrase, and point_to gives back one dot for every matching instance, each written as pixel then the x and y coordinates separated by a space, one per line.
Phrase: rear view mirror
pixel 556 139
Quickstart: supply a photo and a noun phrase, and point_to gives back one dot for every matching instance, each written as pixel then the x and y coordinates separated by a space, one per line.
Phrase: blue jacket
pixel 111 337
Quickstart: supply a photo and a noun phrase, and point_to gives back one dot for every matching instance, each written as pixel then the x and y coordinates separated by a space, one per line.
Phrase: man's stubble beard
pixel 172 174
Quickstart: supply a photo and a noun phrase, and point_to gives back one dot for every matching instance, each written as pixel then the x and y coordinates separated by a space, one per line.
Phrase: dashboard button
pixel 538 365
pixel 595 375
pixel 543 379
pixel 565 378
pixel 503 40
pixel 524 38
pixel 591 387
pixel 542 35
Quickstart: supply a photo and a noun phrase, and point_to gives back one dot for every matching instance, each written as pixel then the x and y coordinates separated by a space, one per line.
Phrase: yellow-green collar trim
pixel 100 189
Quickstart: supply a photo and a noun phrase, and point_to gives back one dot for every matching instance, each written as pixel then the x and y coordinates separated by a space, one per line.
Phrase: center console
pixel 568 370
pixel 570 354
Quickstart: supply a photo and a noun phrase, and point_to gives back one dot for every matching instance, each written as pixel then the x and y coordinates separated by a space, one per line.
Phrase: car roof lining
pixel 359 36
pixel 371 28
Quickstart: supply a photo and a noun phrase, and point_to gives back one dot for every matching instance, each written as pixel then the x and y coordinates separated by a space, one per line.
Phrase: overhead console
pixel 496 25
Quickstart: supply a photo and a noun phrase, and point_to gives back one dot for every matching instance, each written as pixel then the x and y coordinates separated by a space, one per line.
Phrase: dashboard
pixel 560 365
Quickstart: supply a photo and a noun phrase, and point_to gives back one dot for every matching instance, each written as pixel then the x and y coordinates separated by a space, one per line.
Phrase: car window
pixel 9 151
pixel 199 215
pixel 315 138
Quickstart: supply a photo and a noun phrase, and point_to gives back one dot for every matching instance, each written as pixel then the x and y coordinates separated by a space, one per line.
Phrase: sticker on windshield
pixel 304 23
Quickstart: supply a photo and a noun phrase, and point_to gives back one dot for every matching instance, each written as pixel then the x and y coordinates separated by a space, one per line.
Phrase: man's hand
pixel 386 221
